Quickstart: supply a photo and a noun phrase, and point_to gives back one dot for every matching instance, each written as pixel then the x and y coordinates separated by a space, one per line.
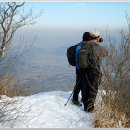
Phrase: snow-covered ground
pixel 47 110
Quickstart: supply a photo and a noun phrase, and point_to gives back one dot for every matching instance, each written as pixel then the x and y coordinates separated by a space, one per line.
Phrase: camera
pixel 101 39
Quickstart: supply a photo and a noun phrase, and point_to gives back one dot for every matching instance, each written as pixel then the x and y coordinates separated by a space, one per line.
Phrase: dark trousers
pixel 87 80
pixel 78 85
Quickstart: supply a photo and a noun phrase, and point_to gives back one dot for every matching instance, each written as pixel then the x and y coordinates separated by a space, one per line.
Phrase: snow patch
pixel 47 110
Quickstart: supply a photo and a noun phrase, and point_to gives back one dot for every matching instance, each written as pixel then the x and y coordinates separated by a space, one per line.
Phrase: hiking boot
pixel 77 103
pixel 88 111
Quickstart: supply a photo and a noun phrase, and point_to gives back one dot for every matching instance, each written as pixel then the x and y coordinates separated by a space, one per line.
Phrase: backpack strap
pixel 91 51
pixel 79 45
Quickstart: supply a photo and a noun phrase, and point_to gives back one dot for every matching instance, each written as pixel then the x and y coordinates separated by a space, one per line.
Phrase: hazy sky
pixel 66 21
pixel 81 14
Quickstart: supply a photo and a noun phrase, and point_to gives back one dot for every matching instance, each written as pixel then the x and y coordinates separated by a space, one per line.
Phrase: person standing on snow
pixel 88 79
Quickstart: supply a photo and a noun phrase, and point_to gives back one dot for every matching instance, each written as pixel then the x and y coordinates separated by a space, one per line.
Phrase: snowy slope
pixel 47 110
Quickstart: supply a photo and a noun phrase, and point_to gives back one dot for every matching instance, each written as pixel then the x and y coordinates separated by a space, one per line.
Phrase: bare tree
pixel 12 17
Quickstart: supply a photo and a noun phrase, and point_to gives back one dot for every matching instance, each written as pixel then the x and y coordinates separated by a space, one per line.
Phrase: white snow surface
pixel 47 110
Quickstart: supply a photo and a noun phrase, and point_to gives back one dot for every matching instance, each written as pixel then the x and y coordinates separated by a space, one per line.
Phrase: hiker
pixel 88 79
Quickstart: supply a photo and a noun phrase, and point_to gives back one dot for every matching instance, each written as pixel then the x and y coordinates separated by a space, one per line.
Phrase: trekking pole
pixel 68 98
pixel 71 93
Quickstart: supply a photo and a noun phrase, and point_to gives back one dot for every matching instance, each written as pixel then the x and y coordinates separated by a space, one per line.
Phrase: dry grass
pixel 10 86
pixel 111 118
pixel 10 112
pixel 114 110
pixel 112 113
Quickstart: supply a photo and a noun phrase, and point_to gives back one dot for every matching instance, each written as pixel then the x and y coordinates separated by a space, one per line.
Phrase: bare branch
pixel 11 19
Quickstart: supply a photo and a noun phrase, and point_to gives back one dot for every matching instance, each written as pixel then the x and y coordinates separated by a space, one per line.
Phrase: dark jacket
pixel 98 52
